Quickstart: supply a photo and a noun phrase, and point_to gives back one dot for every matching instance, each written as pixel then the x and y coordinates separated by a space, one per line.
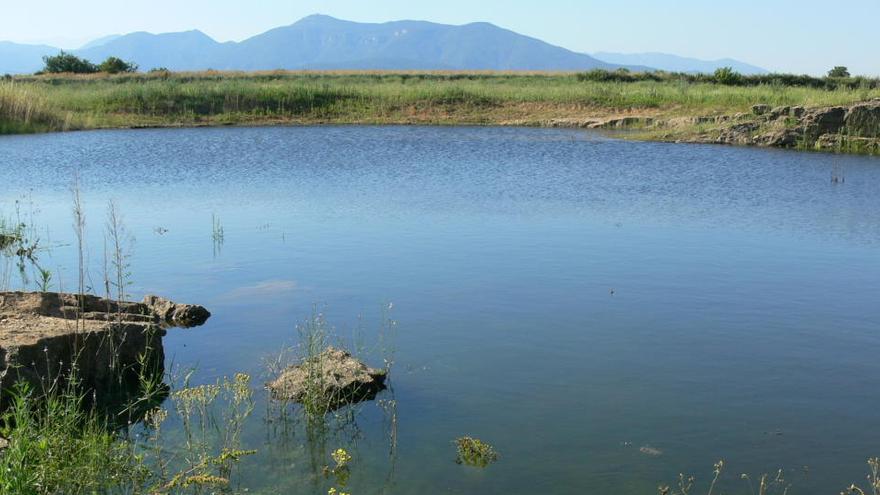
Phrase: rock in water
pixel 651 451
pixel 335 374
pixel 180 315
pixel 112 343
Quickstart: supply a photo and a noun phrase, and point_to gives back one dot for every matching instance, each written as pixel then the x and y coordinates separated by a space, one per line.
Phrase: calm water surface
pixel 567 297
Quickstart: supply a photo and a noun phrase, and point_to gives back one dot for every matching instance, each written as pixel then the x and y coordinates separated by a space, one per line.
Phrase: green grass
pixel 38 103
pixel 58 444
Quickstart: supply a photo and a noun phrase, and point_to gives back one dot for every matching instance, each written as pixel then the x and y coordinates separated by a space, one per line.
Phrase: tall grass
pixel 24 108
pixel 313 97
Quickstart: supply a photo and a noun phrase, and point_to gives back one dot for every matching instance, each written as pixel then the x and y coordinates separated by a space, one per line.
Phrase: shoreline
pixel 792 117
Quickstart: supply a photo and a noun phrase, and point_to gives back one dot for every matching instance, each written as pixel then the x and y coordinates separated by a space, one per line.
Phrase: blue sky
pixel 786 35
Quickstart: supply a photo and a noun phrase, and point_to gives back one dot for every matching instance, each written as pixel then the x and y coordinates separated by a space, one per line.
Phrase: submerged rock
pixel 335 375
pixel 111 345
pixel 651 451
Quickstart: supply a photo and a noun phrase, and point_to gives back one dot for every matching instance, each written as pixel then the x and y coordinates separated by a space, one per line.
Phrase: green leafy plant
pixel 66 62
pixel 475 452
pixel 115 65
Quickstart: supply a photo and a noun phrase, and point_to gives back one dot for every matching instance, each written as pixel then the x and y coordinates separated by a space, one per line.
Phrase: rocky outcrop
pixel 334 376
pixel 738 134
pixel 863 120
pixel 821 121
pixel 45 338
pixel 760 109
pixel 853 129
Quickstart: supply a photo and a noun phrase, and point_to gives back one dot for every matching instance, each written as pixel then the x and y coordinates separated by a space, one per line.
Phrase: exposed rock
pixel 622 122
pixel 44 336
pixel 784 138
pixel 340 378
pixel 854 129
pixel 760 109
pixel 780 112
pixel 863 120
pixel 738 134
pixel 4 443
pixel 181 315
pixel 823 121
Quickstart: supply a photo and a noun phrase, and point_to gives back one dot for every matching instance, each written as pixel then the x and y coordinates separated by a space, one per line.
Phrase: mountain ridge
pixel 322 42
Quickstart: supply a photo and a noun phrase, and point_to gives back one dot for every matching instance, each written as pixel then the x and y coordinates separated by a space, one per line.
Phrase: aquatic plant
pixel 21 248
pixel 58 444
pixel 873 479
pixel 474 452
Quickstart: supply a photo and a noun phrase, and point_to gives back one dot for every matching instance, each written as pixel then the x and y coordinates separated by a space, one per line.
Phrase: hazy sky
pixel 785 35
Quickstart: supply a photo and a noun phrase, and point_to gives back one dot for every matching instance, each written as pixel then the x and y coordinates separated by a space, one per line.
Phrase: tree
pixel 728 76
pixel 838 71
pixel 115 65
pixel 65 62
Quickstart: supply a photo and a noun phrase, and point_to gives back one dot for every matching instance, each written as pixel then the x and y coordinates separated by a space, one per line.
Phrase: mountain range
pixel 322 42
pixel 674 63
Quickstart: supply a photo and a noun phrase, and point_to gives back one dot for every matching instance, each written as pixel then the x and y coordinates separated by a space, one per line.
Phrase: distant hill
pixel 100 41
pixel 674 63
pixel 189 50
pixel 16 58
pixel 322 42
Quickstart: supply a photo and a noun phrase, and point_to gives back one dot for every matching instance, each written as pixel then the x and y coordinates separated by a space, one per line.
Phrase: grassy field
pixel 67 102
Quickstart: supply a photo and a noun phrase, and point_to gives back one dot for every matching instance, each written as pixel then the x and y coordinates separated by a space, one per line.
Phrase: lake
pixel 568 297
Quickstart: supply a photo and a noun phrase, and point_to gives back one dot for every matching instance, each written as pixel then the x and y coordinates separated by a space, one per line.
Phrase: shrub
pixel 65 62
pixel 839 72
pixel 728 77
pixel 115 65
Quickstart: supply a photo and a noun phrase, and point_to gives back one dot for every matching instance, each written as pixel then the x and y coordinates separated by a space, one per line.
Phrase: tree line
pixel 68 63
pixel 837 78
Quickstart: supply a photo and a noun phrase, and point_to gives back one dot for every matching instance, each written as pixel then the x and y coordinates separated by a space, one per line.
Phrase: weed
pixel 474 452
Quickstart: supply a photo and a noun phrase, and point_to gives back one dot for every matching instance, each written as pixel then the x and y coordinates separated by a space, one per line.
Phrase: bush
pixel 115 65
pixel 728 77
pixel 65 62
pixel 839 72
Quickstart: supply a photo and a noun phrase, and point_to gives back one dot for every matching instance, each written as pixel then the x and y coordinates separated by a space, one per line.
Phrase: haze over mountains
pixel 674 63
pixel 322 42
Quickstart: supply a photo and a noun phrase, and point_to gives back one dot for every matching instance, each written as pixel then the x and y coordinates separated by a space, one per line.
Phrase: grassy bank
pixel 42 103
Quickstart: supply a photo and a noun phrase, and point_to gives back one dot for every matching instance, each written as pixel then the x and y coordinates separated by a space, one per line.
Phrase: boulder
pixel 785 138
pixel 823 121
pixel 760 109
pixel 111 345
pixel 179 315
pixel 863 119
pixel 780 112
pixel 338 377
pixel 738 134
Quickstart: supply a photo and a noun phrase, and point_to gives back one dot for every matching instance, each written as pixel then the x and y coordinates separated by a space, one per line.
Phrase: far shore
pixel 667 108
